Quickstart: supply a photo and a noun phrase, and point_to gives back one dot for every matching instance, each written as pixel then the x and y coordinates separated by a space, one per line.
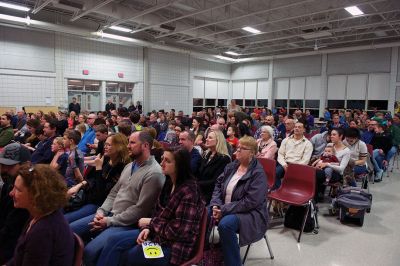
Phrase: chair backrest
pixel 78 250
pixel 270 170
pixel 370 149
pixel 300 179
pixel 198 256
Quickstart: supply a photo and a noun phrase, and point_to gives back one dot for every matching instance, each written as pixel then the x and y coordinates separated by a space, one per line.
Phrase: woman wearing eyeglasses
pixel 47 238
pixel 239 203
pixel 267 147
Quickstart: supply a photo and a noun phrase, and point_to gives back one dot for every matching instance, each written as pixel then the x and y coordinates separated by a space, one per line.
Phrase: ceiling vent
pixel 167 27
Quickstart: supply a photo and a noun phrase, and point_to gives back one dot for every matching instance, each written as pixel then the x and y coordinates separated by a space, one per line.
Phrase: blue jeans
pixel 93 249
pixel 228 227
pixel 360 169
pixel 378 159
pixel 115 245
pixel 136 257
pixel 280 172
pixel 82 212
pixel 391 153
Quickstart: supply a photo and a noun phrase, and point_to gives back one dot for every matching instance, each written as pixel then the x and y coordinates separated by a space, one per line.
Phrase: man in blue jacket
pixel 89 136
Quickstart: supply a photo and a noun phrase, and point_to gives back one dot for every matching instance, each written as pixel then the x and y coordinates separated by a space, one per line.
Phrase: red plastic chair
pixel 198 256
pixel 270 170
pixel 78 254
pixel 298 188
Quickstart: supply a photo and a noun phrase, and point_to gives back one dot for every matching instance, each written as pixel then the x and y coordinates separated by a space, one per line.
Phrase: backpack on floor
pixel 294 218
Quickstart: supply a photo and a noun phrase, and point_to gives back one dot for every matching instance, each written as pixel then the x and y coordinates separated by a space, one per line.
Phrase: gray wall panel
pixel 251 70
pixel 297 66
pixel 366 61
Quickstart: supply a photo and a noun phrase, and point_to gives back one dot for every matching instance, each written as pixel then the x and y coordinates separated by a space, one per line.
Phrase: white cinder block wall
pixel 35 65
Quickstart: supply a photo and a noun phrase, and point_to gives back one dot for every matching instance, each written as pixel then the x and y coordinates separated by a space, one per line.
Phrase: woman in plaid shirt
pixel 175 224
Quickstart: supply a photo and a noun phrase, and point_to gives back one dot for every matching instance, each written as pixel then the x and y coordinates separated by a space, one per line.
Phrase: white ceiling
pixel 215 26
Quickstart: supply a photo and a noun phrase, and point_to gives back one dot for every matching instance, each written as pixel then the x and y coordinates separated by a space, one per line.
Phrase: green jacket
pixel 395 132
pixel 6 135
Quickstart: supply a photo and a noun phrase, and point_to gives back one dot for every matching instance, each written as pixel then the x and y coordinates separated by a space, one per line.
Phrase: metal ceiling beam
pixel 344 42
pixel 248 51
pixel 144 12
pixel 296 27
pixel 187 15
pixel 236 18
pixel 363 26
pixel 315 24
pixel 92 8
pixel 41 6
pixel 278 20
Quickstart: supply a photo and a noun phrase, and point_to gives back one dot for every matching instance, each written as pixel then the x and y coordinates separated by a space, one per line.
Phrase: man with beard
pixel 12 220
pixel 132 198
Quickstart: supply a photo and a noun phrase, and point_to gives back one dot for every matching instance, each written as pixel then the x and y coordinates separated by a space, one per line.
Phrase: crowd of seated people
pixel 127 177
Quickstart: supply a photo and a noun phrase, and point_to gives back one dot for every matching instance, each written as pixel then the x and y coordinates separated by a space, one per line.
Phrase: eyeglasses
pixel 242 148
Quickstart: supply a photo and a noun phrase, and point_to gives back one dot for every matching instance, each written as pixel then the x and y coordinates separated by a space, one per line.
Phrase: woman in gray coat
pixel 239 202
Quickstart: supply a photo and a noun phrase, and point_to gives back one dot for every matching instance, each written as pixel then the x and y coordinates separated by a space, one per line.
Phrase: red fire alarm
pixel 120 75
pixel 85 72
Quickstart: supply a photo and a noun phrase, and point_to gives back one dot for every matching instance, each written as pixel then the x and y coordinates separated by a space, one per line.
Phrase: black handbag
pixel 76 201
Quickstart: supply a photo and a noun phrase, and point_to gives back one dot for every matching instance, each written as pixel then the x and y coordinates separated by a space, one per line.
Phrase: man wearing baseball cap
pixel 12 220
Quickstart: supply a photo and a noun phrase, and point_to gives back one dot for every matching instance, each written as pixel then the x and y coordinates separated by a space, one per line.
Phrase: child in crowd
pixel 60 159
pixel 327 157
pixel 170 136
pixel 232 139
pixel 75 165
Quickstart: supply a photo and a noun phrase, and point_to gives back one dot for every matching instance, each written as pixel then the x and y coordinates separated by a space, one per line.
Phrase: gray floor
pixel 336 244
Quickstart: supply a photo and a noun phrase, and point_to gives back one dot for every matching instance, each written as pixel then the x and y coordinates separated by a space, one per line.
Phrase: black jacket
pixel 74 107
pixel 382 141
pixel 12 221
pixel 209 171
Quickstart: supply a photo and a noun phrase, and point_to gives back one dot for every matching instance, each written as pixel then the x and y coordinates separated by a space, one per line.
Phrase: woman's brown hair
pixel 46 187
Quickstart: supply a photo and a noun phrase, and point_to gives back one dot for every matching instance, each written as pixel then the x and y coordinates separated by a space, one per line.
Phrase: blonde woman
pixel 214 160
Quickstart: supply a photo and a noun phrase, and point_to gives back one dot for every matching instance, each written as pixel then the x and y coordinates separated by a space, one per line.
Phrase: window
pixel 250 103
pixel 120 93
pixel 87 93
pixel 378 104
pixel 210 102
pixel 198 102
pixel 356 104
pixel 222 102
pixel 296 104
pixel 336 104
pixel 262 103
pixel 280 103
pixel 239 102
pixel 312 104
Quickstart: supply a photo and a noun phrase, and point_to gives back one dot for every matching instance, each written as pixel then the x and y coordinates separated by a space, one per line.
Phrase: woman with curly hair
pixel 47 238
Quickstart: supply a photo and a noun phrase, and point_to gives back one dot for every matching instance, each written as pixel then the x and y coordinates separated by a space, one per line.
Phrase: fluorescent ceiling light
pixel 294 45
pixel 252 30
pixel 118 28
pixel 16 7
pixel 232 53
pixel 74 80
pixel 314 35
pixel 225 58
pixel 26 20
pixel 115 37
pixel 354 10
pixel 112 83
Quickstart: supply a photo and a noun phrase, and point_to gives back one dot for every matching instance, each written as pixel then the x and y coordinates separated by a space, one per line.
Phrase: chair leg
pixel 245 254
pixel 304 222
pixel 269 247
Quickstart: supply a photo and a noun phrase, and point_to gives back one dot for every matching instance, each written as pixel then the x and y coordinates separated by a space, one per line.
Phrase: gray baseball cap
pixel 14 153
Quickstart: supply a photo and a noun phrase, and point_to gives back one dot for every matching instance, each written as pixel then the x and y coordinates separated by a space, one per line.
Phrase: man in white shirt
pixel 294 149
